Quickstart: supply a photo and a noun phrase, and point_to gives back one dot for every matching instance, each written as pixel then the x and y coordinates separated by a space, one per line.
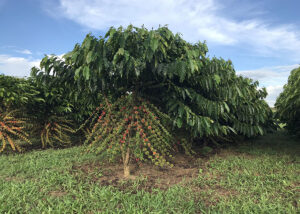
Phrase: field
pixel 257 176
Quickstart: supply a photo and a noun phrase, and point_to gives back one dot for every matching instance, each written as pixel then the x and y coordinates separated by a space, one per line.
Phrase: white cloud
pixel 273 78
pixel 270 76
pixel 16 66
pixel 273 92
pixel 25 51
pixel 196 19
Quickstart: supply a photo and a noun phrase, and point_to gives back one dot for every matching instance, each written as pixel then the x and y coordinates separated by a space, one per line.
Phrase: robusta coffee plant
pixel 288 103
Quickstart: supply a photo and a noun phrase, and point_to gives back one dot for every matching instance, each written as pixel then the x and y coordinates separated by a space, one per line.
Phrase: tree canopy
pixel 202 95
pixel 16 92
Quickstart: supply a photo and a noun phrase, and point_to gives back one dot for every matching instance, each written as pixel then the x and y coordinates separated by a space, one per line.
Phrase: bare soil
pixel 147 176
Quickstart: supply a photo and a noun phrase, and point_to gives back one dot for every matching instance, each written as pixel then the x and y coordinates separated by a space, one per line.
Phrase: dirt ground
pixel 147 176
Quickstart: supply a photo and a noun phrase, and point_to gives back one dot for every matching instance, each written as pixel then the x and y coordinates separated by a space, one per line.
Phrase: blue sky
pixel 262 38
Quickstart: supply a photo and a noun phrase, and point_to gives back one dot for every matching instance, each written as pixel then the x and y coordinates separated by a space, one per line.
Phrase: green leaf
pixel 77 73
pixel 260 130
pixel 180 111
pixel 89 57
pixel 217 78
pixel 120 51
pixel 154 44
pixel 226 107
pixel 239 91
pixel 86 73
pixel 179 122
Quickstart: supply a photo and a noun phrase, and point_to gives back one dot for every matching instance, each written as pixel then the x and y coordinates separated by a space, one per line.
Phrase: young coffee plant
pixel 56 130
pixel 11 129
pixel 131 128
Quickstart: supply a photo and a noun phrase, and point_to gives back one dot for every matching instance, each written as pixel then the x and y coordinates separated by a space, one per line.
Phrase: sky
pixel 261 38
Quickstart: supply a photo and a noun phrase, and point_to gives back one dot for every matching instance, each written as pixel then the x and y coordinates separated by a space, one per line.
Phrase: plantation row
pixel 288 103
pixel 135 93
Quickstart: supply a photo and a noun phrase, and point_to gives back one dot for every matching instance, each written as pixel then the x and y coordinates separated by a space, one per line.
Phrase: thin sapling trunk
pixel 126 159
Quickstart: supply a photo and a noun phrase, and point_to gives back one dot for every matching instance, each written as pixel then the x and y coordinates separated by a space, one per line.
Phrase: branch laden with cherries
pixel 131 128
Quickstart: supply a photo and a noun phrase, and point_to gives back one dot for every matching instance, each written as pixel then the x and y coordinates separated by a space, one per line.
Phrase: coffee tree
pixel 50 118
pixel 16 93
pixel 288 103
pixel 202 96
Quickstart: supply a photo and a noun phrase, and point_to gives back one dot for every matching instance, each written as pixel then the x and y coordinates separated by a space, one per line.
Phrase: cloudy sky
pixel 262 38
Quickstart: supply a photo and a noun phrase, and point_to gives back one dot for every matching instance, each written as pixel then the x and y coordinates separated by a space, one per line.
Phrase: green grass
pixel 254 177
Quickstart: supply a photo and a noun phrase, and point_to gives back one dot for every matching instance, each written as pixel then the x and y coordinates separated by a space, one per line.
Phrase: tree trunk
pixel 126 158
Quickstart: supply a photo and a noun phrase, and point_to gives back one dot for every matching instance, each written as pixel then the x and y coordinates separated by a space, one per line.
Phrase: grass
pixel 261 176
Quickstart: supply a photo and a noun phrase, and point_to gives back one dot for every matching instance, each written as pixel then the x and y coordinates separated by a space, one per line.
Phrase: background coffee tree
pixel 16 93
pixel 288 103
pixel 30 108
pixel 64 105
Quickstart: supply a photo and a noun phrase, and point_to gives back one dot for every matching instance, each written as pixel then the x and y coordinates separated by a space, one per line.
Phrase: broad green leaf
pixel 179 122
pixel 154 44
pixel 89 57
pixel 86 73
pixel 217 78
